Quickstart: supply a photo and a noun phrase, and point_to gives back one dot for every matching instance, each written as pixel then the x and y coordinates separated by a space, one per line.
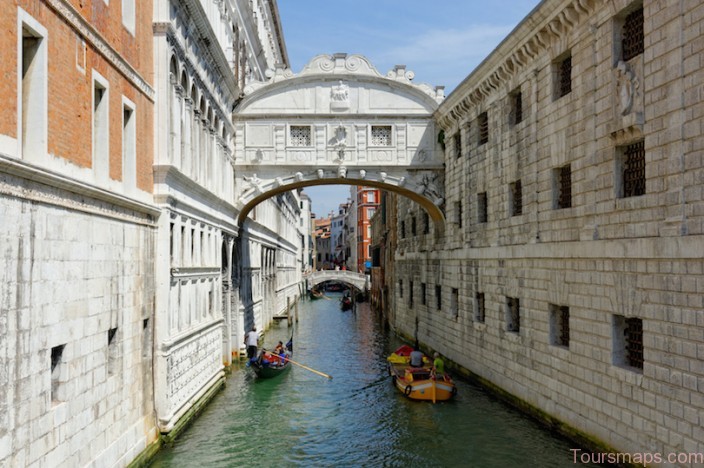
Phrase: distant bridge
pixel 358 280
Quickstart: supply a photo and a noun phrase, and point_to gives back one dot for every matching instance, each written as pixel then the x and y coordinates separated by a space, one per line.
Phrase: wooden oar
pixel 306 367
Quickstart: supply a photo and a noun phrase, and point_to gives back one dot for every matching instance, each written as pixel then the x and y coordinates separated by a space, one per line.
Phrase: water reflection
pixel 356 419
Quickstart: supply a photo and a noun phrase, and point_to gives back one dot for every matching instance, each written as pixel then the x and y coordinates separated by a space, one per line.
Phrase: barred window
pixel 426 223
pixel 455 303
pixel 516 107
pixel 438 297
pixel 422 294
pixel 628 342
pixel 458 143
pixel 516 192
pixel 632 37
pixel 513 314
pixel 559 325
pixel 563 187
pixel 403 229
pixel 564 76
pixel 300 135
pixel 381 135
pixel 634 342
pixel 482 208
pixel 479 312
pixel 458 213
pixel 410 294
pixel 483 124
pixel 633 170
pixel 414 231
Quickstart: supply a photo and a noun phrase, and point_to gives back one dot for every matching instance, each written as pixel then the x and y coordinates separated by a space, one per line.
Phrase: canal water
pixel 357 419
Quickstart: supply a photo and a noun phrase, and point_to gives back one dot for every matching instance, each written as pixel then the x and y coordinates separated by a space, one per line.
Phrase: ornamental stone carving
pixel 628 86
pixel 340 97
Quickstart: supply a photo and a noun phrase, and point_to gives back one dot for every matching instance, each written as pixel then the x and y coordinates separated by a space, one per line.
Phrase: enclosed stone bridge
pixel 339 121
pixel 358 280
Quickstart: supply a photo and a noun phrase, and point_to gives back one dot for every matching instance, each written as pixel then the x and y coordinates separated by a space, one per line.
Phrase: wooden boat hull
pixel 267 372
pixel 422 386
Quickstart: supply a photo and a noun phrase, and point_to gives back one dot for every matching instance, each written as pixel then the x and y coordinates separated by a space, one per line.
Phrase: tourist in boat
pixel 438 366
pixel 251 341
pixel 280 350
pixel 416 357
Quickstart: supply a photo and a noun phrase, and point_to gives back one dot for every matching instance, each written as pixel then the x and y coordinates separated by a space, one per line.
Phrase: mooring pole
pixel 288 310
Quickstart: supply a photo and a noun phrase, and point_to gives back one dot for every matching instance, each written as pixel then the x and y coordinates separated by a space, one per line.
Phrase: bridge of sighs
pixel 339 121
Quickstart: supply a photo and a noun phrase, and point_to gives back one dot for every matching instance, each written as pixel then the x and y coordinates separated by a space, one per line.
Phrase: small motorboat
pixel 419 383
pixel 269 364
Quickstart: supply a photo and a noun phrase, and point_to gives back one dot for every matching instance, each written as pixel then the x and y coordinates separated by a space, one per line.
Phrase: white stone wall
pixel 73 269
pixel 605 257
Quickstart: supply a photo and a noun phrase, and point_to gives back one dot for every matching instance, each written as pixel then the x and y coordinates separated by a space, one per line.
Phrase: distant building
pixel 367 204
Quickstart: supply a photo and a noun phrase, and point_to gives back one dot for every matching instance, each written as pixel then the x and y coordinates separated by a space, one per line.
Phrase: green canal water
pixel 357 419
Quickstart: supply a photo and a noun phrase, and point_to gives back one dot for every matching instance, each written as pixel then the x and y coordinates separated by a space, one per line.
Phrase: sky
pixel 440 41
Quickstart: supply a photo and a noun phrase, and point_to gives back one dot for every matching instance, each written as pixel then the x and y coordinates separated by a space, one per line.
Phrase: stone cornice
pixel 552 19
pixel 210 44
pixel 93 37
pixel 43 178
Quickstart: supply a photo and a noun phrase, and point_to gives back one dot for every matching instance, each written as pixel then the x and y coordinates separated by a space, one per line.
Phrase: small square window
pixel 381 135
pixel 632 37
pixel 516 115
pixel 483 125
pixel 482 208
pixel 630 167
pixel 562 187
pixel 300 135
pixel 458 143
pixel 455 303
pixel 513 314
pixel 479 310
pixel 516 200
pixel 559 325
pixel 628 342
pixel 458 214
pixel 563 76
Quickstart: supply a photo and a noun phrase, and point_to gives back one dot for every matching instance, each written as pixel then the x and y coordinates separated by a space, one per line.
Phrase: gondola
pixel 268 364
pixel 314 294
pixel 346 303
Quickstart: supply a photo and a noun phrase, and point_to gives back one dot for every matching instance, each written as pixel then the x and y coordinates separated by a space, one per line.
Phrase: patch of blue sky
pixel 441 42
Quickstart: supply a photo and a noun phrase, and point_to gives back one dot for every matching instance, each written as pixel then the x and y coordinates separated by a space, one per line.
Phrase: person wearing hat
pixel 438 365
pixel 251 341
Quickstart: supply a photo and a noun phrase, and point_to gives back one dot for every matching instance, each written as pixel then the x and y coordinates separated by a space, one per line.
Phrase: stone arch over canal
pixel 339 121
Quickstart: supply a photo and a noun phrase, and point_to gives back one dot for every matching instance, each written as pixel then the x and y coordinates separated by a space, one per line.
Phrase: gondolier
pixel 251 341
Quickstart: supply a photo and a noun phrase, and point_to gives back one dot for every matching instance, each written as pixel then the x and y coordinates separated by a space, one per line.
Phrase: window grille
pixel 300 135
pixel 632 35
pixel 458 144
pixel 381 135
pixel 438 297
pixel 563 329
pixel 565 73
pixel 422 293
pixel 634 342
pixel 634 170
pixel 514 314
pixel 564 198
pixel 410 294
pixel 481 314
pixel 483 124
pixel 517 198
pixel 400 288
pixel 426 223
pixel 403 229
pixel 413 226
pixel 455 303
pixel 482 209
pixel 517 107
pixel 458 213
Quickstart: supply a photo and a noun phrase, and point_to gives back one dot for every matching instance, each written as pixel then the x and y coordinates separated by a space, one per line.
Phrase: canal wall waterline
pixel 580 438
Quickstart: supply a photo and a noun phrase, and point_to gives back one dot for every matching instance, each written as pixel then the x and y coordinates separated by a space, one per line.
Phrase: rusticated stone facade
pixel 570 272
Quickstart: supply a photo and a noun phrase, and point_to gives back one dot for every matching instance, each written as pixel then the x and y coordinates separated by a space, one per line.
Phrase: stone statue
pixel 430 189
pixel 627 85
pixel 340 93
